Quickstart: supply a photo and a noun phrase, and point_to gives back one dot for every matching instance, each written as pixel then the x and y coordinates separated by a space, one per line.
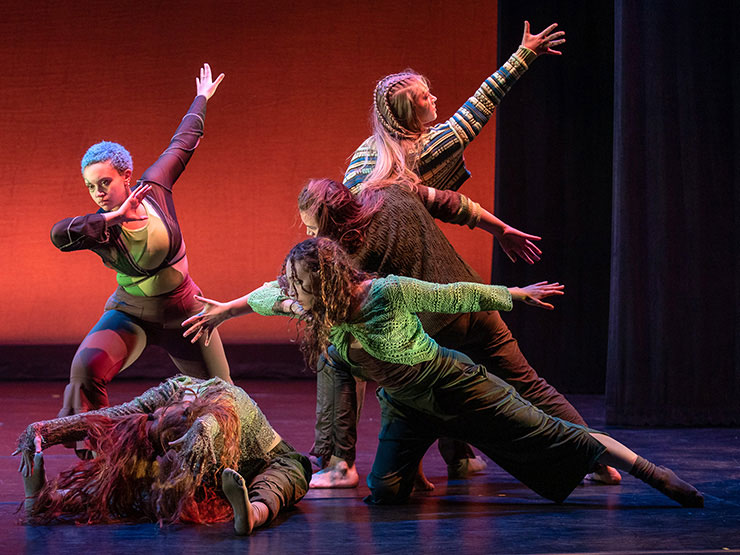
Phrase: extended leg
pixel 661 478
pixel 282 484
pixel 486 338
pixel 247 516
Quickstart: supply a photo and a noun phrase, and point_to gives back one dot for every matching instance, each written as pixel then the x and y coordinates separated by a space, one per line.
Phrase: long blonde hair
pixel 396 129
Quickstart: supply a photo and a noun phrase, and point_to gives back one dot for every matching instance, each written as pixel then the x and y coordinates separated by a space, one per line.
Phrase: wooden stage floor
pixel 489 513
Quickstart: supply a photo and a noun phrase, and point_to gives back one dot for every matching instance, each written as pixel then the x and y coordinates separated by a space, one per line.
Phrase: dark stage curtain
pixel 674 326
pixel 553 176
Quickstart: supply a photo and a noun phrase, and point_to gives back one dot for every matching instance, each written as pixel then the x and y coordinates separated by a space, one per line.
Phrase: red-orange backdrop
pixel 294 105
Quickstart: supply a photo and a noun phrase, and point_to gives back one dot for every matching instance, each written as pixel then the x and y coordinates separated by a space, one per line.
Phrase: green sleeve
pixel 265 300
pixel 450 298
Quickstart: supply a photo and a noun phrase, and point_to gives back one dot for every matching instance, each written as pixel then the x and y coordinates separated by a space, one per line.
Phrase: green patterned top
pixel 386 324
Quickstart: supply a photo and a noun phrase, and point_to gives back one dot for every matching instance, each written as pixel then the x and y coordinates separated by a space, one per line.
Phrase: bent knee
pixel 93 365
pixel 386 491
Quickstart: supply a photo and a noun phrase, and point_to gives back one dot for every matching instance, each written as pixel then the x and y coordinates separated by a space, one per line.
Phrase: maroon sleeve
pixel 172 161
pixel 80 232
pixel 449 206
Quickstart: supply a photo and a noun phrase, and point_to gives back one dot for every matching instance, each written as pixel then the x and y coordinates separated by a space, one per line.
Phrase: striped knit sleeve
pixel 360 165
pixel 468 121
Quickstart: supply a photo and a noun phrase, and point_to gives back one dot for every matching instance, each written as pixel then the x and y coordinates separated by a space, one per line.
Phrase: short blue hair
pixel 107 151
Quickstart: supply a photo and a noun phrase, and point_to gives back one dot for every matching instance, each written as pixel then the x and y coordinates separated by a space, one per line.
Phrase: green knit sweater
pixel 386 324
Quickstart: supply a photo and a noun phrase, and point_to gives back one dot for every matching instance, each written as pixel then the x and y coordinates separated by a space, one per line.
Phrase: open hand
pixel 532 294
pixel 544 42
pixel 205 85
pixel 129 210
pixel 214 314
pixel 26 466
pixel 516 243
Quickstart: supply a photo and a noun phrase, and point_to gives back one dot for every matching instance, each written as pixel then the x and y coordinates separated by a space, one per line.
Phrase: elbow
pixel 59 236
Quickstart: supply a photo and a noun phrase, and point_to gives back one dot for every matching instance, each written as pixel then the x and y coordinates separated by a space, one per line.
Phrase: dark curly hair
pixel 335 281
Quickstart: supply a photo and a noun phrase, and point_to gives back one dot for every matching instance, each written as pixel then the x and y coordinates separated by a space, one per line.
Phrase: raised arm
pixel 476 112
pixel 173 160
pixel 468 121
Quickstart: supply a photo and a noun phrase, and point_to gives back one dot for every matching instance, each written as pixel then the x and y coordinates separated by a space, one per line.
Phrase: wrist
pixel 516 294
pixel 526 54
pixel 113 217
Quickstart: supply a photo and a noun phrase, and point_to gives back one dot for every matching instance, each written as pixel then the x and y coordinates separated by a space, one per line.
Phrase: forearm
pixel 269 300
pixel 450 298
pixel 80 232
pixel 173 160
pixel 469 120
pixel 449 206
pixel 491 224
pixel 238 307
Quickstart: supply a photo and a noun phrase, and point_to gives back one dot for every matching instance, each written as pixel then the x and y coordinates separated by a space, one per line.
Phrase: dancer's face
pixel 425 104
pixel 312 226
pixel 107 187
pixel 301 284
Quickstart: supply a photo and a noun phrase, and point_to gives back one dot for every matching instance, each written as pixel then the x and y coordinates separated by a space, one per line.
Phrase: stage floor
pixel 489 513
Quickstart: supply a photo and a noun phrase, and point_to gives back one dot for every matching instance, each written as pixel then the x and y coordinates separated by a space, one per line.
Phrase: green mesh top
pixel 386 324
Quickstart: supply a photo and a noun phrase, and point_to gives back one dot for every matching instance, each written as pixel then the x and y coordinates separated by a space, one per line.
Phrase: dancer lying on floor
pixel 427 391
pixel 165 457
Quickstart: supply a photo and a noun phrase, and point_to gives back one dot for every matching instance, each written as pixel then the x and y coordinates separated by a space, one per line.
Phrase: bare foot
pixel 422 483
pixel 340 475
pixel 605 475
pixel 235 490
pixel 32 484
pixel 465 468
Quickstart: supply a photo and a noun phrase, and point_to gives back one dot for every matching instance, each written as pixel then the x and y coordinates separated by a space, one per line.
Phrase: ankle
pixel 261 513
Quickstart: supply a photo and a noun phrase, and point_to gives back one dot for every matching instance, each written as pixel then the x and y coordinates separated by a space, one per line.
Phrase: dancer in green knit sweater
pixel 427 391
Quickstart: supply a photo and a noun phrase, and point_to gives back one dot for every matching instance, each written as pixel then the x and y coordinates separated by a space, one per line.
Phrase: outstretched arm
pixel 475 113
pixel 452 298
pixel 213 314
pixel 45 433
pixel 456 208
pixel 268 300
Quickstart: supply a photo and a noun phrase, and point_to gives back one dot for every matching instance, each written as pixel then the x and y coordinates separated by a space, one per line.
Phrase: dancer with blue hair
pixel 137 234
